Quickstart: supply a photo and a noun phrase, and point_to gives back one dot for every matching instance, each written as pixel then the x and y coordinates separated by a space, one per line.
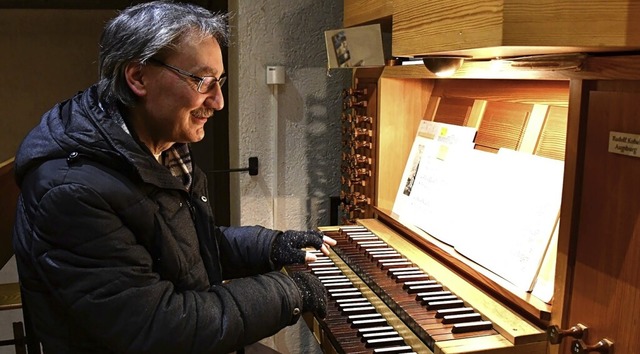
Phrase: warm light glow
pixel 446 73
pixel 498 65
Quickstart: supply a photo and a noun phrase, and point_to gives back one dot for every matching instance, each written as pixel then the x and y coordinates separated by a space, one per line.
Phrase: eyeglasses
pixel 205 83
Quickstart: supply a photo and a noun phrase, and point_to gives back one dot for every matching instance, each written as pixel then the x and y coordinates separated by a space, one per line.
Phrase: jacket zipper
pixel 192 209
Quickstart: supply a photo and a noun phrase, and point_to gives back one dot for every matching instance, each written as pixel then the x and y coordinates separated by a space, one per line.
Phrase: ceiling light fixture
pixel 443 66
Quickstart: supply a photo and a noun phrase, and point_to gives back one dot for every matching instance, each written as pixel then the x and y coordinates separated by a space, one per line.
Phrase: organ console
pixel 409 291
pixel 418 306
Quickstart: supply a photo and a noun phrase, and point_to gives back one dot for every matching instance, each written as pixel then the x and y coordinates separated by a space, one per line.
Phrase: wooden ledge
pixel 10 296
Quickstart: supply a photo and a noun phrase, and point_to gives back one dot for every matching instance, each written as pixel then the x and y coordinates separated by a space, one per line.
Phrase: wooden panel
pixel 402 106
pixel 423 27
pixel 554 134
pixel 504 28
pixel 520 91
pixel 502 125
pixel 359 12
pixel 10 296
pixel 569 210
pixel 454 111
pixel 589 23
pixel 605 294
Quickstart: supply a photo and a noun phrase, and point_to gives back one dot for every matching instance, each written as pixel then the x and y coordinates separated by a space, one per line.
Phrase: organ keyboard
pixel 388 296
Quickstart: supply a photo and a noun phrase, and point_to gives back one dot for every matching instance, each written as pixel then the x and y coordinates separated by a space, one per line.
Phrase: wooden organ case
pixel 571 94
pixel 593 271
pixel 586 115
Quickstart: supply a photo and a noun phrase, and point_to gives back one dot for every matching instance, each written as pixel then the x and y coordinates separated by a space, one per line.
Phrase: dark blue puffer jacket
pixel 116 256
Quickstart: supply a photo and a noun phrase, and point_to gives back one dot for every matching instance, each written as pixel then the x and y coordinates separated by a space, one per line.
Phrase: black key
pixel 392 350
pixel 326 271
pixel 461 318
pixel 350 294
pixel 333 285
pixel 385 255
pixel 404 278
pixel 424 288
pixel 437 305
pixel 358 310
pixel 383 342
pixel 392 263
pixel 430 299
pixel 365 330
pixel 363 237
pixel 353 304
pixel 420 295
pixel 370 250
pixel 392 271
pixel 363 316
pixel 337 279
pixel 355 299
pixel 453 311
pixel 379 334
pixel 346 228
pixel 344 290
pixel 407 284
pixel 409 272
pixel 360 239
pixel 375 322
pixel 366 242
pixel 471 326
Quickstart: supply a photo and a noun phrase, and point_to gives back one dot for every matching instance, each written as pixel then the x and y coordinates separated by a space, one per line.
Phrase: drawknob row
pixel 357 142
pixel 579 332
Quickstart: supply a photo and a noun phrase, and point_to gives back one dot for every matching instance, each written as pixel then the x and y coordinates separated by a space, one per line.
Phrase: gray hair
pixel 141 31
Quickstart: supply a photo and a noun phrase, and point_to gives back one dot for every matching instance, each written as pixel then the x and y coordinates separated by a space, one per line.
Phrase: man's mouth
pixel 202 114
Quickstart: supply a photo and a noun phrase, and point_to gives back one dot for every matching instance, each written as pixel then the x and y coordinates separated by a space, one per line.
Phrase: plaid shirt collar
pixel 178 160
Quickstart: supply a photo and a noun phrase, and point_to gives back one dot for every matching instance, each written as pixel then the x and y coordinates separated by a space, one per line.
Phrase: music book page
pixel 509 235
pixel 498 210
pixel 425 175
pixel 544 284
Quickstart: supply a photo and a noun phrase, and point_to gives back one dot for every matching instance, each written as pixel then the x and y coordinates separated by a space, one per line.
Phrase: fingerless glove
pixel 314 295
pixel 287 246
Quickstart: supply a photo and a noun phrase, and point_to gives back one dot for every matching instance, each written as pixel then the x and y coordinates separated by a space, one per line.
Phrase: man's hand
pixel 287 246
pixel 314 295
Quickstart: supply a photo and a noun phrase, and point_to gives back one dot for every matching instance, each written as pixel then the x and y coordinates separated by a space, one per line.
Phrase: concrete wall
pixel 306 159
pixel 294 129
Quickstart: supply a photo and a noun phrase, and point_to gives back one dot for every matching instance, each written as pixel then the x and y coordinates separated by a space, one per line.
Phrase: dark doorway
pixel 212 153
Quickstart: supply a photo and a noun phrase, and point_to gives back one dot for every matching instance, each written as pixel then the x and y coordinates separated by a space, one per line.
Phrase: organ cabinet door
pixel 604 296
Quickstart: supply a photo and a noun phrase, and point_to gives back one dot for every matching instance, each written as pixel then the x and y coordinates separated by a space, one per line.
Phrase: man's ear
pixel 135 78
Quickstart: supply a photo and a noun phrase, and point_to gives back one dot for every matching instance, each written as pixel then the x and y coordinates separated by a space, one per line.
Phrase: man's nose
pixel 215 99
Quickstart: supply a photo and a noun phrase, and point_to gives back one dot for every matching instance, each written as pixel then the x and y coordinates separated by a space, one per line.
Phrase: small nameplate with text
pixel 624 144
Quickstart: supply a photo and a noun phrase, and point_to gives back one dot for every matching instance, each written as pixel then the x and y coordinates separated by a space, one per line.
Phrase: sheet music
pixel 499 210
pixel 509 235
pixel 425 173
pixel 543 286
pixel 439 199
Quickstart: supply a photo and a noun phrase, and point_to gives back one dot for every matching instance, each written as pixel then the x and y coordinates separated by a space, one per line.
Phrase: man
pixel 114 238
